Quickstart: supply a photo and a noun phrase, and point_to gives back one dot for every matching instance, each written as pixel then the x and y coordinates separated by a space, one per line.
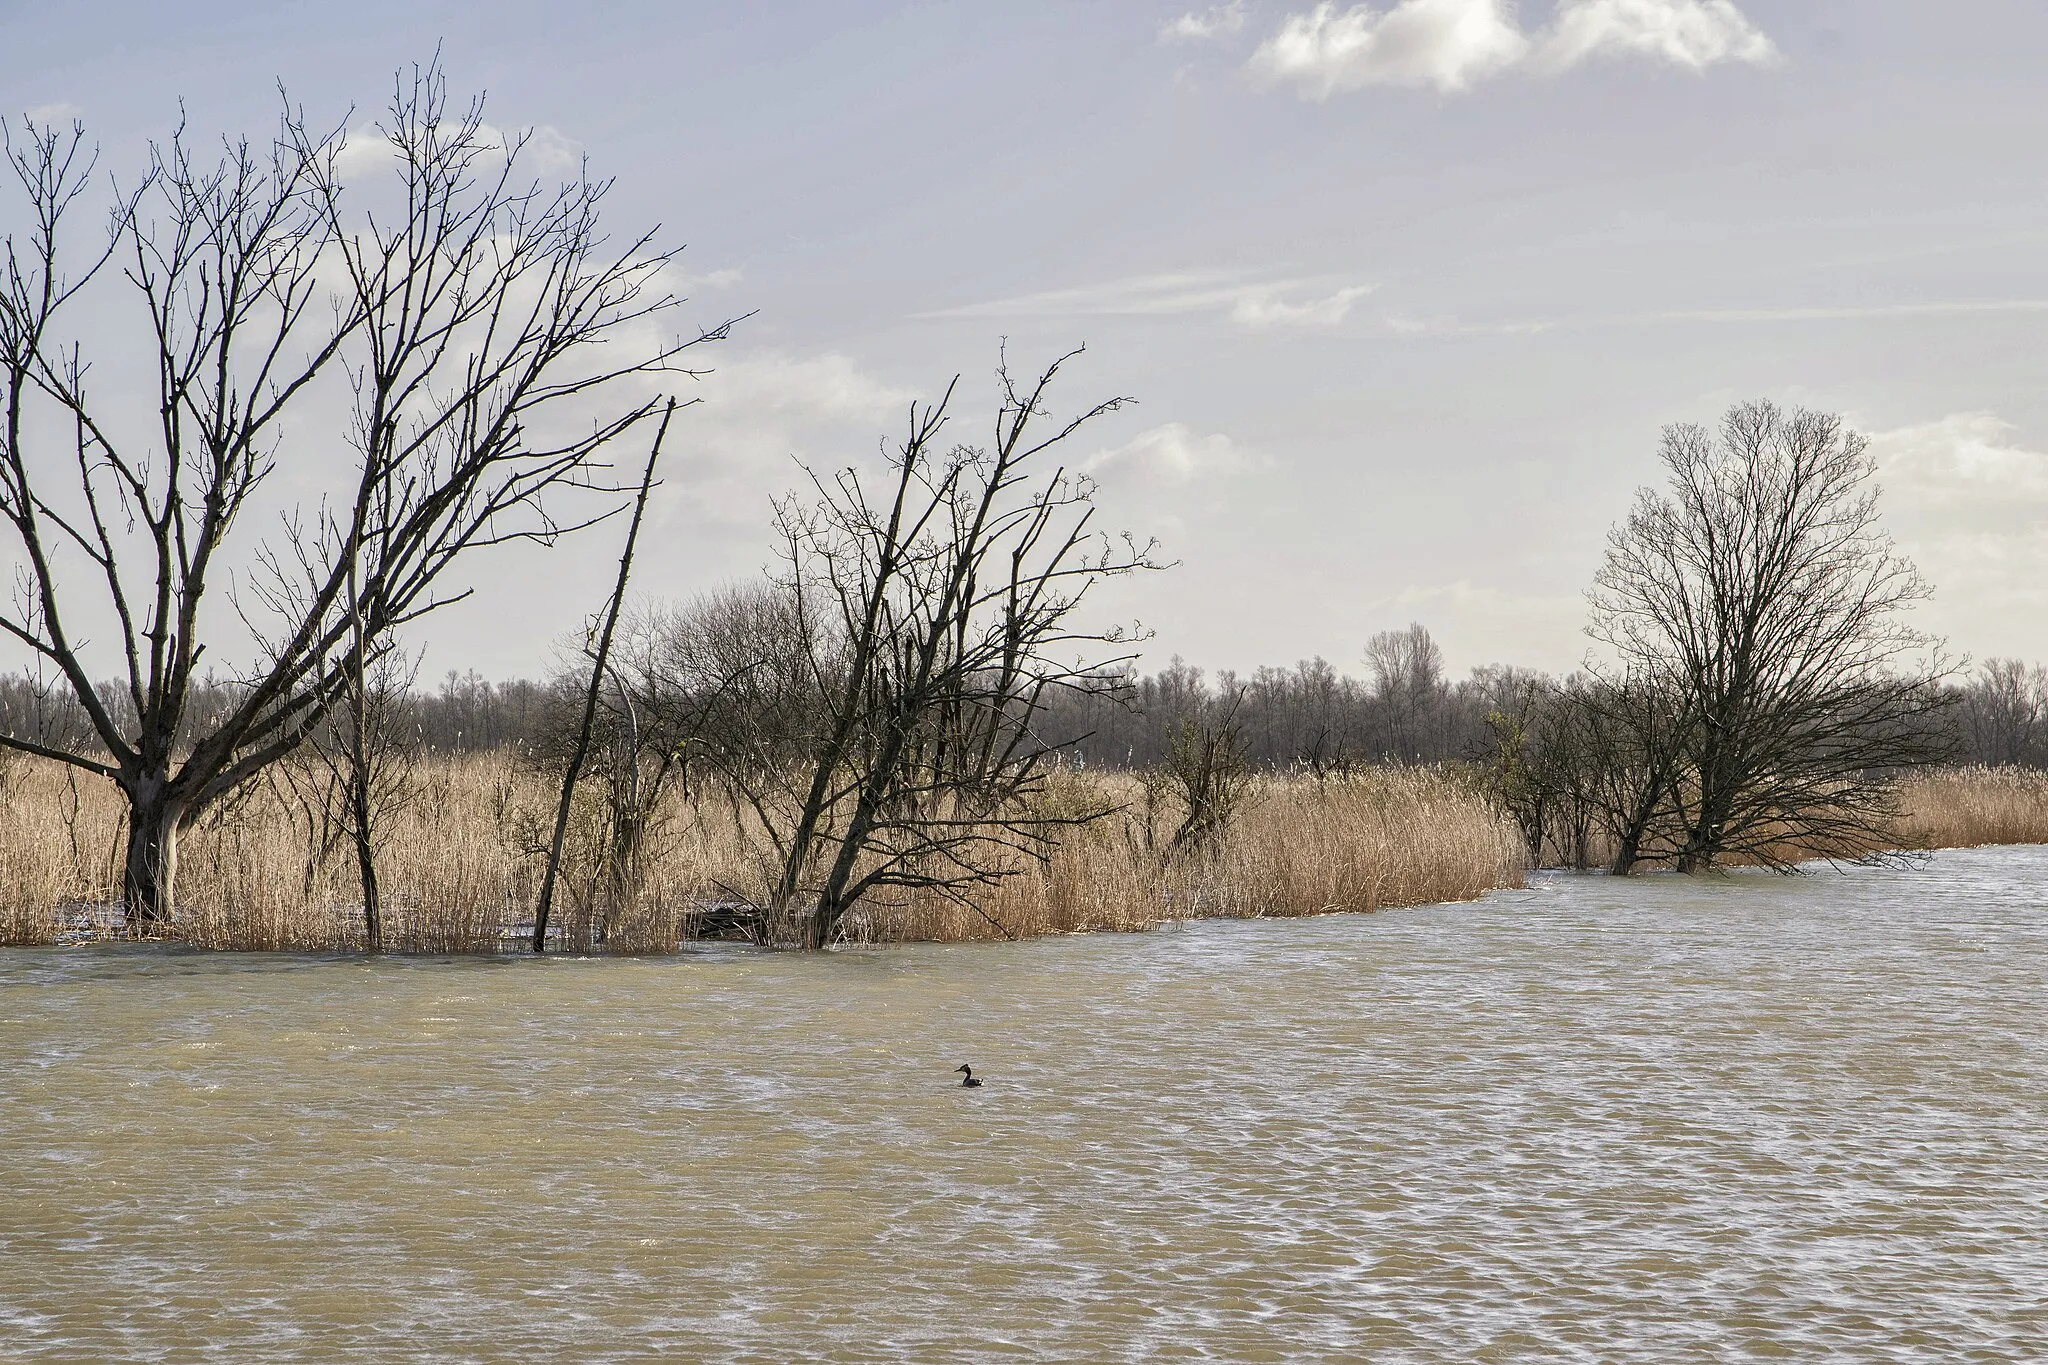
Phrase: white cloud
pixel 759 414
pixel 1409 325
pixel 1173 455
pixel 827 386
pixel 1301 302
pixel 55 115
pixel 1694 33
pixel 1963 474
pixel 1269 309
pixel 1201 26
pixel 1970 506
pixel 1444 43
pixel 678 279
pixel 1451 44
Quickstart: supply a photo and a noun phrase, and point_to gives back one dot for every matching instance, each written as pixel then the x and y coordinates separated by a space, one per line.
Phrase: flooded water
pixel 1651 1120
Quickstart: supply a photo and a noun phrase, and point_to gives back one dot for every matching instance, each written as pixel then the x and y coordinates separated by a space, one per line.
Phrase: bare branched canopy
pixel 1758 612
pixel 923 624
pixel 440 340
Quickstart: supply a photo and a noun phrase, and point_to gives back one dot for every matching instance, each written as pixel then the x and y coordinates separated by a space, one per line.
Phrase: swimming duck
pixel 970 1082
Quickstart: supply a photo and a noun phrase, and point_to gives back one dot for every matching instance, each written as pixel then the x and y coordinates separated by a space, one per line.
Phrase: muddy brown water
pixel 1656 1120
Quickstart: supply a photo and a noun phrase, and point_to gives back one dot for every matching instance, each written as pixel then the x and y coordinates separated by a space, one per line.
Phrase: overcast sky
pixel 1405 290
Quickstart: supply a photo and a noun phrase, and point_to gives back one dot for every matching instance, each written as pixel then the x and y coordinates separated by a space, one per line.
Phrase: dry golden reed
pixel 1972 807
pixel 1298 847
pixel 460 863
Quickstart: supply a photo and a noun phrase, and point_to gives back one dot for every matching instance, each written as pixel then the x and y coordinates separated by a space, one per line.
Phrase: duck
pixel 972 1082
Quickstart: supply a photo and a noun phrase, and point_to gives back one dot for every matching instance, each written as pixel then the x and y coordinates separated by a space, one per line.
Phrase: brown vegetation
pixel 464 859
pixel 460 870
pixel 1971 807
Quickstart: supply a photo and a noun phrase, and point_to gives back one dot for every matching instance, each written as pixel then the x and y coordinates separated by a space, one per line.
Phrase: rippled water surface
pixel 1647 1120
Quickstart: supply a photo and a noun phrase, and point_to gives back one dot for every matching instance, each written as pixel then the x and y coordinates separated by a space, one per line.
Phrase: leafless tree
pixel 1630 737
pixel 600 660
pixel 1407 675
pixel 932 621
pixel 1761 591
pixel 2004 713
pixel 369 756
pixel 1206 774
pixel 483 337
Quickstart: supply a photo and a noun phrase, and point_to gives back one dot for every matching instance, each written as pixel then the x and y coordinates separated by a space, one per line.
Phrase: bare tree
pixel 1408 680
pixel 1206 773
pixel 370 758
pixel 2004 712
pixel 933 622
pixel 1761 590
pixel 487 339
pixel 600 660
pixel 1630 738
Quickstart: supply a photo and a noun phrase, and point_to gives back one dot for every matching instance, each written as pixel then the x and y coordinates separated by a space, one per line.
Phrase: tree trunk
pixel 597 675
pixel 1702 845
pixel 150 873
pixel 366 858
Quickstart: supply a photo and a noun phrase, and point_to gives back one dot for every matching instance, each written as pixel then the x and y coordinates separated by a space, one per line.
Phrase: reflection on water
pixel 1650 1120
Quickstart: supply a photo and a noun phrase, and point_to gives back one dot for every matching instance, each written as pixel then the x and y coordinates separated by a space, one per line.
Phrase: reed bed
pixel 1972 807
pixel 460 865
pixel 461 861
pixel 1298 847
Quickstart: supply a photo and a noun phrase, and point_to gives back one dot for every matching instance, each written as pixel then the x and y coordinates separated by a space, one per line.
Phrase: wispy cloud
pixel 1202 26
pixel 1876 312
pixel 1249 302
pixel 1273 309
pixel 1691 33
pixel 679 279
pixel 54 114
pixel 1454 44
pixel 1969 503
pixel 1445 43
pixel 760 412
pixel 1173 455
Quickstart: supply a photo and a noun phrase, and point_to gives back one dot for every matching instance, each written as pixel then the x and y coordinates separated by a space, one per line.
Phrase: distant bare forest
pixel 1400 708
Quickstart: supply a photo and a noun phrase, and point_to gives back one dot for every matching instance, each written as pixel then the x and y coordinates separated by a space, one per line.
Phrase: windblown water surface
pixel 1647 1120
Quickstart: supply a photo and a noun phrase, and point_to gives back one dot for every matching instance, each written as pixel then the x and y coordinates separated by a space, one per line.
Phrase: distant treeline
pixel 1404 710
pixel 466 713
pixel 1308 718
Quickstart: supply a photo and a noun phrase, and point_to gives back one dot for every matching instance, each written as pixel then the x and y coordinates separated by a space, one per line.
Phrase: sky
pixel 1405 291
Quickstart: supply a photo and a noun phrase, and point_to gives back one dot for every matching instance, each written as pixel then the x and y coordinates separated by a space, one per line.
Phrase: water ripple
pixel 1652 1119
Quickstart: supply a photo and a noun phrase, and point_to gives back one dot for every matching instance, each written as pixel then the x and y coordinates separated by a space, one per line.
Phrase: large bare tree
pixel 1758 610
pixel 933 613
pixel 444 341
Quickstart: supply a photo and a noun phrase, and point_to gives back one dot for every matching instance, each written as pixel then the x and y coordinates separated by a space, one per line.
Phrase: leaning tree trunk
pixel 150 873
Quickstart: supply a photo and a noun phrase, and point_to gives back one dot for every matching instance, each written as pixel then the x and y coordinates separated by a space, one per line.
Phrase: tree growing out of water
pixel 1206 773
pixel 930 614
pixel 446 341
pixel 370 758
pixel 1757 610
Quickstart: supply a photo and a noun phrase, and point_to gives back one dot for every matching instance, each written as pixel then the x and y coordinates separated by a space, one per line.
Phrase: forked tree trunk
pixel 150 872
